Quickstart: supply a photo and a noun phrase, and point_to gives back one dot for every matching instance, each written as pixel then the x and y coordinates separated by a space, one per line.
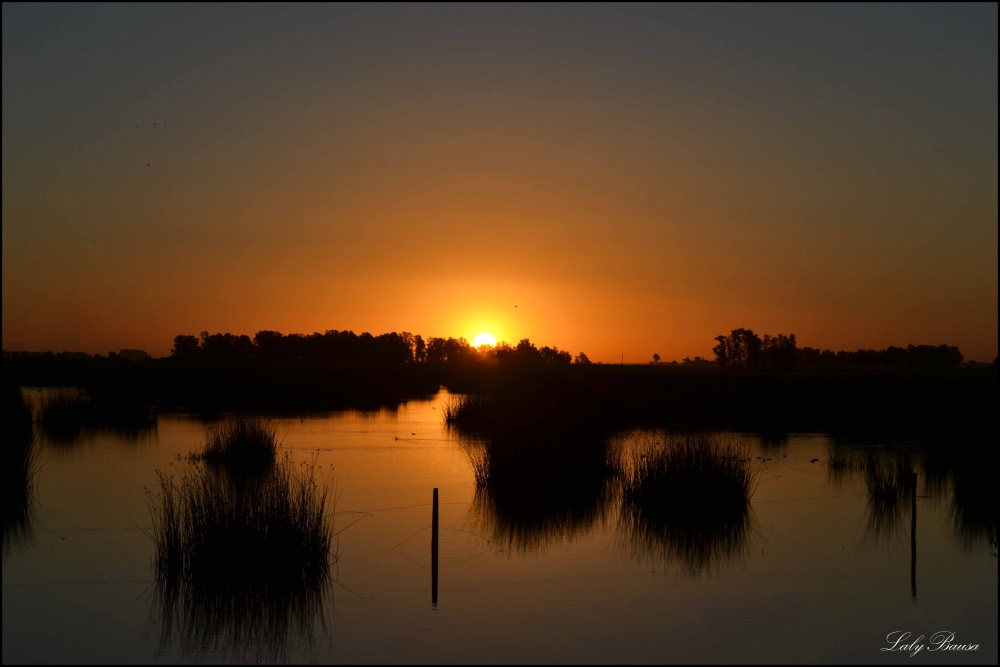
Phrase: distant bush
pixel 744 349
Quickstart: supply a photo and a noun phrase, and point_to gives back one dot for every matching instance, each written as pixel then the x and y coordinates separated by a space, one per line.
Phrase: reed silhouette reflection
pixel 538 478
pixel 962 476
pixel 532 490
pixel 243 558
pixel 20 463
pixel 974 505
pixel 888 476
pixel 686 499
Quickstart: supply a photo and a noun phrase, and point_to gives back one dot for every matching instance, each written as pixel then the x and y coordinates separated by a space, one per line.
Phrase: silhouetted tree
pixel 656 358
pixel 185 347
pixel 912 356
pixel 581 359
pixel 347 348
pixel 740 349
pixel 553 355
pixel 777 352
pixel 696 360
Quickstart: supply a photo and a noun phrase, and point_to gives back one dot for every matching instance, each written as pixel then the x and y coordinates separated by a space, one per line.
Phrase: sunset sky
pixel 634 179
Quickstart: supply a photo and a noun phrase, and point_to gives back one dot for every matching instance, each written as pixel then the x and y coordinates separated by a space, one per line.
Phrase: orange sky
pixel 633 183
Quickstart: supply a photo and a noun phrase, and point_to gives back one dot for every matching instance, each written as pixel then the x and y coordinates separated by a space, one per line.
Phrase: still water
pixel 825 575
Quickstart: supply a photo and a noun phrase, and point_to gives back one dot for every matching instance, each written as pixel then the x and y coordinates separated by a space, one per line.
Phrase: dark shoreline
pixel 904 404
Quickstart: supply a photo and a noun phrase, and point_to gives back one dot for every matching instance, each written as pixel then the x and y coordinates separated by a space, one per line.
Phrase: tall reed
pixel 465 409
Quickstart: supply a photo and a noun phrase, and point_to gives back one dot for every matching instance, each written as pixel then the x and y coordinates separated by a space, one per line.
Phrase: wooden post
pixel 434 550
pixel 913 535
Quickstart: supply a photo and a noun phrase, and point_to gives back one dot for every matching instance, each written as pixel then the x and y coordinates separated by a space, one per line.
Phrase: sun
pixel 484 339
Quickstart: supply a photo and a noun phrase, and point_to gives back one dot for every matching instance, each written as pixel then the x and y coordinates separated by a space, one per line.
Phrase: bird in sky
pixel 147 164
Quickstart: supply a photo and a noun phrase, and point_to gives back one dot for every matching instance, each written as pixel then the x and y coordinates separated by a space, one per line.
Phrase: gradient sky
pixel 636 179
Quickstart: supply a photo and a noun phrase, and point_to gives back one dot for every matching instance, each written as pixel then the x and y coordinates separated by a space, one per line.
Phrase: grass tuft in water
pixel 241 566
pixel 687 498
pixel 531 490
pixel 242 442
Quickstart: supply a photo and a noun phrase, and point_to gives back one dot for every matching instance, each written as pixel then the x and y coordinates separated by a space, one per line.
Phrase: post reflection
pixel 888 477
pixel 962 477
pixel 965 478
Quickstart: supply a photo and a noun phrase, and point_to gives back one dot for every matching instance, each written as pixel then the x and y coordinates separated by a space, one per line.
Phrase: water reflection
pixel 384 616
pixel 686 499
pixel 962 475
pixel 243 559
pixel 974 502
pixel 889 479
pixel 674 498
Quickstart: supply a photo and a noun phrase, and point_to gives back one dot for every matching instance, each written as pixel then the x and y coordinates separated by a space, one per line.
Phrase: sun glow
pixel 484 339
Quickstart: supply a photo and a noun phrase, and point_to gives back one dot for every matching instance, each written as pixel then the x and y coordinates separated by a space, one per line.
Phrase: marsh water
pixel 829 566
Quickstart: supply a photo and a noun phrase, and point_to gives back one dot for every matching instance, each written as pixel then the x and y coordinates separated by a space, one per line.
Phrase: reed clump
pixel 242 564
pixel 20 465
pixel 241 442
pixel 688 497
pixel 63 413
pixel 534 489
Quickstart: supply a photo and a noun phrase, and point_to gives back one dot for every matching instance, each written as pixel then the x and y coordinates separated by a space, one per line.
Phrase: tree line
pixel 743 349
pixel 348 348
